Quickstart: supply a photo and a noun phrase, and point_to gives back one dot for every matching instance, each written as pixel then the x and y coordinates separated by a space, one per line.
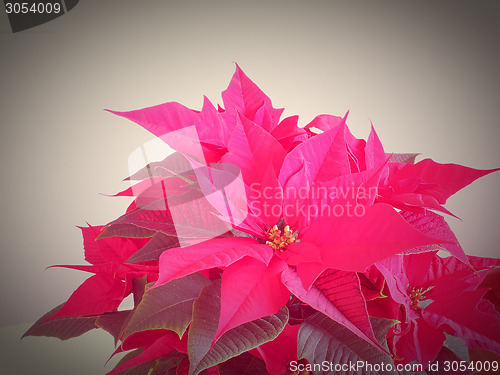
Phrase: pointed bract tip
pixel 207 103
pixel 117 113
pixel 371 125
pixel 239 71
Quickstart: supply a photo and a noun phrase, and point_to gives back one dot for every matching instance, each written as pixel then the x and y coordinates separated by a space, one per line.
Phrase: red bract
pixel 278 354
pixel 259 247
pixel 426 184
pixel 436 296
pixel 112 281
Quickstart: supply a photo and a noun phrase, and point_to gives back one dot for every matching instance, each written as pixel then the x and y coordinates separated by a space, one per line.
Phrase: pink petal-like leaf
pixel 414 202
pixel 98 294
pixel 287 132
pixel 435 226
pixel 352 243
pixel 345 195
pixel 173 123
pixel 326 156
pixel 259 170
pixel 392 269
pixel 103 250
pixel 448 276
pixel 217 252
pixel 325 122
pixel 478 324
pixel 435 179
pixel 375 155
pixel 278 353
pixel 420 343
pixel 250 290
pixel 309 272
pixel 247 98
pixel 481 263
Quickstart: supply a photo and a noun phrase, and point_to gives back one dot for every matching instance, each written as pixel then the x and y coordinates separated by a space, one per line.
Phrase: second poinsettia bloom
pixel 431 296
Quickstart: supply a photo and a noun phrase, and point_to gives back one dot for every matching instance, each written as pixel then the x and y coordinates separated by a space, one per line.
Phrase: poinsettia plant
pixel 262 247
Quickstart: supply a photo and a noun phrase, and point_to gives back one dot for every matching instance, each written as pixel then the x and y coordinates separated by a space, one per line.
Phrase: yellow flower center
pixel 416 295
pixel 279 241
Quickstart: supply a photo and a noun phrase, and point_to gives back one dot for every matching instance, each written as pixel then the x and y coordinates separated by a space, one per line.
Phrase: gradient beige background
pixel 424 72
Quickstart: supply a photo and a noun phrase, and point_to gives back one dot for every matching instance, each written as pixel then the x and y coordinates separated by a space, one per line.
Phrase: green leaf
pixel 125 230
pixel 206 312
pixel 153 248
pixel 402 158
pixel 457 346
pixel 139 286
pixel 175 164
pixel 114 322
pixel 244 364
pixel 63 328
pixel 168 306
pixel 381 327
pixel 242 339
pixel 166 366
pixel 142 369
pixel 189 216
pixel 321 339
pixel 445 355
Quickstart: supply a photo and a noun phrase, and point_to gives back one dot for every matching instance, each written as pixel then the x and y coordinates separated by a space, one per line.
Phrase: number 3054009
pixel 485 366
pixel 24 8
